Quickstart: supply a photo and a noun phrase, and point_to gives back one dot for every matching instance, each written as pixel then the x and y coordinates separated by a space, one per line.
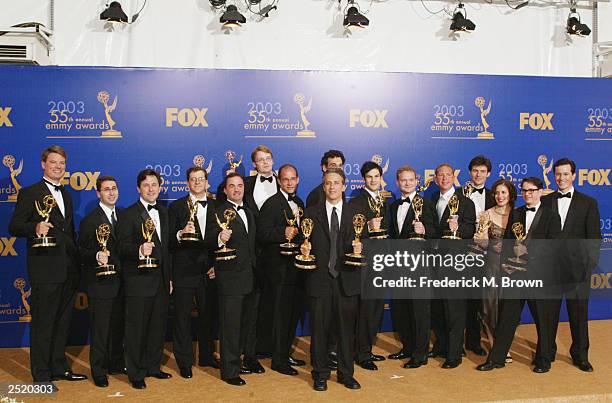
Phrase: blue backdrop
pixel 118 121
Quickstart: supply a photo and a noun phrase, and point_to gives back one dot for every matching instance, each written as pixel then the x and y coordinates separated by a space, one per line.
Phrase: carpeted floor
pixel 390 383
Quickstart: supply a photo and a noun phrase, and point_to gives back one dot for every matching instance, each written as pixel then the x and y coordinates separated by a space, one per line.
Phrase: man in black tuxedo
pixel 581 237
pixel 332 288
pixel 448 315
pixel 331 159
pixel 235 278
pixel 53 271
pixel 286 281
pixel 411 317
pixel 370 310
pixel 539 222
pixel 480 170
pixel 104 291
pixel 193 274
pixel 146 289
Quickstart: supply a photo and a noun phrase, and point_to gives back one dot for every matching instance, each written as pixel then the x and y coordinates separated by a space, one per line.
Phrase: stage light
pixel 114 13
pixel 460 20
pixel 262 11
pixel 574 26
pixel 353 17
pixel 231 17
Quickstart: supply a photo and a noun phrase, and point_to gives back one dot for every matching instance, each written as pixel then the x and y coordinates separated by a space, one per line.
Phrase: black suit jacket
pixel 235 277
pixel 46 265
pixel 107 287
pixel 580 234
pixel 317 280
pixel 271 224
pixel 426 218
pixel 190 260
pixel 467 216
pixel 143 282
pixel 360 204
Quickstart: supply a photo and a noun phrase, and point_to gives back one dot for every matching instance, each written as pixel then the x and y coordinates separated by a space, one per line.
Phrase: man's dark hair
pixel 535 181
pixel 101 179
pixel 332 154
pixel 142 175
pixel 196 169
pixel 335 171
pixel 232 175
pixel 565 161
pixel 368 166
pixel 478 161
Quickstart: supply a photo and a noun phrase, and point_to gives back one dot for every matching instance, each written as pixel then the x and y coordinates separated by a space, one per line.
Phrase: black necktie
pixel 152 206
pixel 263 179
pixel 333 247
pixel 533 209
pixel 203 203
pixel 561 195
pixel 113 219
pixel 479 190
pixel 56 187
pixel 406 200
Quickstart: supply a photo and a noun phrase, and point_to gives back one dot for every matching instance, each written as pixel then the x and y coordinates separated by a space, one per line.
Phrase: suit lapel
pixel 103 219
pixel 394 208
pixel 144 215
pixel 322 218
pixel 571 211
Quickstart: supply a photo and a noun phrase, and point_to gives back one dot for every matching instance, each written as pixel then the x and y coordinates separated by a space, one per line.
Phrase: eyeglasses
pixel 529 191
pixel 197 180
pixel 113 189
pixel 264 159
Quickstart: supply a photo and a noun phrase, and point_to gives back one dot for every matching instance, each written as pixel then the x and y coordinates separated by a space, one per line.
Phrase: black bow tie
pixel 561 195
pixel 292 198
pixel 532 209
pixel 203 203
pixel 479 190
pixel 263 179
pixel 406 200
pixel 238 208
pixel 55 187
pixel 152 206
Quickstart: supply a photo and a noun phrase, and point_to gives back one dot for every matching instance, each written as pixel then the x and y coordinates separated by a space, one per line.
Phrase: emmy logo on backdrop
pixel 378 159
pixel 480 103
pixel 9 162
pixel 542 161
pixel 20 284
pixel 103 98
pixel 230 156
pixel 300 99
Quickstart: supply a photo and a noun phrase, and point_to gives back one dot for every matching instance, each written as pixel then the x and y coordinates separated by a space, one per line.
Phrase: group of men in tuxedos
pixel 257 298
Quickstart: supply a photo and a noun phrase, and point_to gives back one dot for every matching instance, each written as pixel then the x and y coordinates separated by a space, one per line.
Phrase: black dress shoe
pixel 261 356
pixel 350 383
pixel 584 366
pixel 244 370
pixel 377 357
pixel 333 357
pixel 213 363
pixel 488 366
pixel 285 370
pixel 333 366
pixel 295 362
pixel 100 381
pixel 254 366
pixel 138 384
pixel 68 376
pixel 434 354
pixel 540 369
pixel 186 372
pixel 237 381
pixel 478 350
pixel 160 375
pixel 320 385
pixel 118 371
pixel 414 363
pixel 53 387
pixel 369 365
pixel 400 355
pixel 448 364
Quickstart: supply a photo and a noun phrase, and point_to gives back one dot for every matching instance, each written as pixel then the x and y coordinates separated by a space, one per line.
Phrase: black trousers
pixel 236 324
pixel 472 323
pixel 509 318
pixel 145 331
pixel 51 309
pixel 577 303
pixel 107 328
pixel 448 323
pixel 288 306
pixel 400 316
pixel 205 297
pixel 265 320
pixel 333 307
pixel 368 323
pixel 419 320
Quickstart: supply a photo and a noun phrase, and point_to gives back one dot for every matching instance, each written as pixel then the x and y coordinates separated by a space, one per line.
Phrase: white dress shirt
pixel 200 215
pixel 402 211
pixel 154 214
pixel 292 204
pixel 242 214
pixel 443 202
pixel 57 195
pixel 563 206
pixel 109 212
pixel 263 190
pixel 529 216
pixel 479 200
pixel 329 208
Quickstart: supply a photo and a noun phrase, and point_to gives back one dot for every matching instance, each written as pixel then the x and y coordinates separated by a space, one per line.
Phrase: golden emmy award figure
pixel 356 258
pixel 453 207
pixel 480 103
pixel 289 248
pixel 417 206
pixel 306 261
pixel 225 253
pixel 542 160
pixel 44 210
pixel 193 211
pixel 148 229
pixel 103 232
pixel 516 263
pixel 103 98
pixel 9 162
pixel 20 284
